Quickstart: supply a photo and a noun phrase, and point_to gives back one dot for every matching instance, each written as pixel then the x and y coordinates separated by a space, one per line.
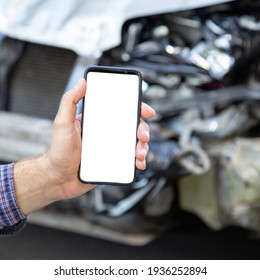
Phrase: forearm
pixel 33 187
pixel 38 183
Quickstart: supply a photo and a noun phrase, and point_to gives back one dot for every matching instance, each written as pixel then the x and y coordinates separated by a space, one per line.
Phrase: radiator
pixel 38 80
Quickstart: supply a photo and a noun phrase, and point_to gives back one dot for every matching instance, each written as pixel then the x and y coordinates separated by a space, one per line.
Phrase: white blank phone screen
pixel 109 128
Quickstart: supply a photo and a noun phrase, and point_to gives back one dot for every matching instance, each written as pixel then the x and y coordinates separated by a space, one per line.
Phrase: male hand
pixel 54 175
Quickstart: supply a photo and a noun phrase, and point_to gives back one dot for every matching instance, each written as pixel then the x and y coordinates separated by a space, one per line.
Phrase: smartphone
pixel 110 118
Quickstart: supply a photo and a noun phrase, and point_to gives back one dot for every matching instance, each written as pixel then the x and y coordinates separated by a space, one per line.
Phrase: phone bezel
pixel 114 70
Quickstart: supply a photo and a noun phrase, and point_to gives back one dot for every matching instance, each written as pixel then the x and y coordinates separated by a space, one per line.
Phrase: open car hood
pixel 83 26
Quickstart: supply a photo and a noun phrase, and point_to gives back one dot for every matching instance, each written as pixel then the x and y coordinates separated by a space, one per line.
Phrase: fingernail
pixel 147 134
pixel 80 83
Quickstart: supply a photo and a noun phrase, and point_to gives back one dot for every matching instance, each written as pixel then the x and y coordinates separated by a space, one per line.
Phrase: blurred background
pixel 199 197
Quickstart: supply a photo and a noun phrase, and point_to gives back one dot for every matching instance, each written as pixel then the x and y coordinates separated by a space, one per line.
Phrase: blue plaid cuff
pixel 9 210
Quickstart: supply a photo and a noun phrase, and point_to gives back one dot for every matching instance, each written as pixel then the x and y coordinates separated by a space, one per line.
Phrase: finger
pixel 143 133
pixel 68 108
pixel 141 150
pixel 140 164
pixel 77 92
pixel 147 111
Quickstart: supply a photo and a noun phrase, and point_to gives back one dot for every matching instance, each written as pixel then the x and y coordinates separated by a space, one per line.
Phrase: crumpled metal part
pixel 212 58
pixel 233 120
pixel 229 194
pixel 249 23
pixel 192 44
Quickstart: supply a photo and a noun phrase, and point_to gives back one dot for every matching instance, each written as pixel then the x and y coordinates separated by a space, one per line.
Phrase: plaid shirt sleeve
pixel 10 216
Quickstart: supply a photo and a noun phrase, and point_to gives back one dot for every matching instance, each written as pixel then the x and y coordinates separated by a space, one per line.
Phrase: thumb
pixel 68 105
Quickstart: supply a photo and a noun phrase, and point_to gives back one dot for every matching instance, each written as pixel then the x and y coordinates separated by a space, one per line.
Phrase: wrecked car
pixel 200 67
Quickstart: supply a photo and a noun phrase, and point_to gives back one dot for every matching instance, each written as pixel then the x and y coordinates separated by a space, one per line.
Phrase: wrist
pixel 32 183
